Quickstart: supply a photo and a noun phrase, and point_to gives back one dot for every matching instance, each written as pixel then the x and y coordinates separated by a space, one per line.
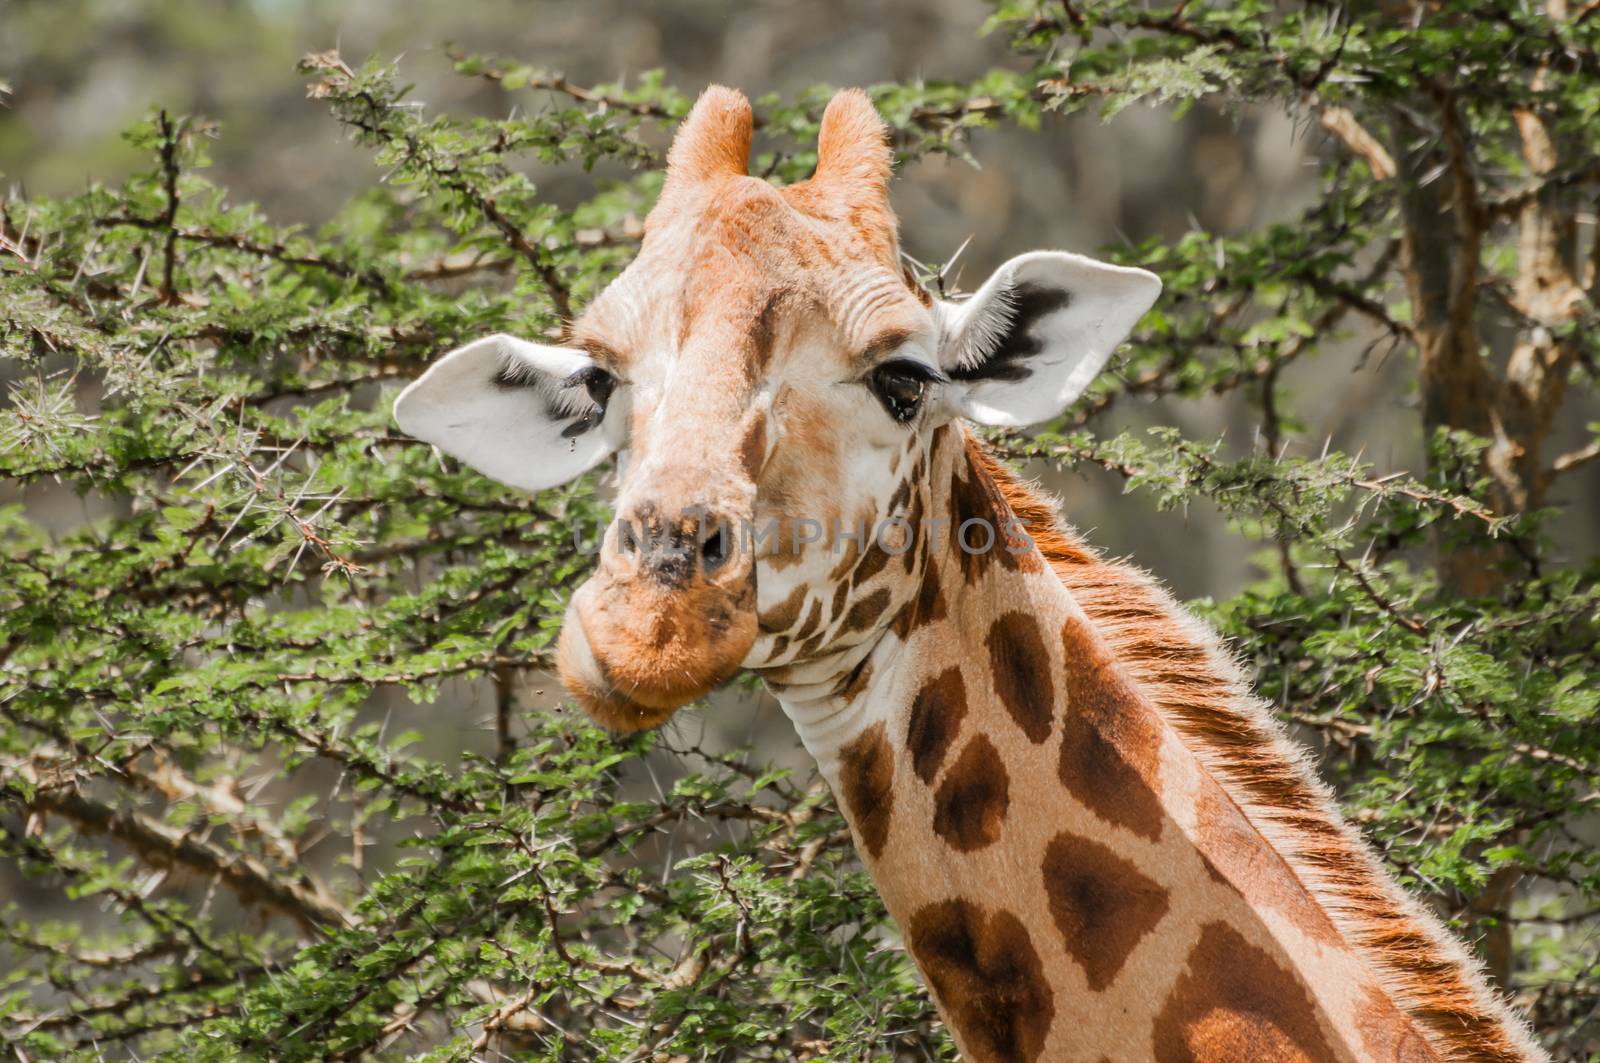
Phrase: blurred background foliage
pixel 281 772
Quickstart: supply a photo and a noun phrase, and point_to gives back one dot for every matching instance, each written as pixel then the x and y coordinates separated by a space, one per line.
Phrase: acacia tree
pixel 269 569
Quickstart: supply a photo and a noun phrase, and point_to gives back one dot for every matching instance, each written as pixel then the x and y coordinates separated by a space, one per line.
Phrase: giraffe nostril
pixel 715 548
pixel 627 542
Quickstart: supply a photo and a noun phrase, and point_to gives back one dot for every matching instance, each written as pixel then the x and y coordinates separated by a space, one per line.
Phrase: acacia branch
pixel 558 83
pixel 376 126
pixel 277 251
pixel 1509 203
pixel 168 781
pixel 1352 729
pixel 1342 123
pixel 301 897
pixel 160 918
pixel 1575 459
pixel 169 219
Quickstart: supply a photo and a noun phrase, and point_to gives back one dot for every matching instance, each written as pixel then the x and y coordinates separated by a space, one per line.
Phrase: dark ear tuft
pixel 512 410
pixel 513 375
pixel 1002 346
pixel 1038 332
pixel 572 399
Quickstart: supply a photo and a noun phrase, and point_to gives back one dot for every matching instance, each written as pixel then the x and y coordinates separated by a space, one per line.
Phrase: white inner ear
pixel 515 411
pixel 1038 333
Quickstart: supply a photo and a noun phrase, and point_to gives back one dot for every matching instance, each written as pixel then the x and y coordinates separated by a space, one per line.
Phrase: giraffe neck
pixel 1071 876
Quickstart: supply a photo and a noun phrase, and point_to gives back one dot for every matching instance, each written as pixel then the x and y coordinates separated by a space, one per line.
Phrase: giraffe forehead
pixel 740 264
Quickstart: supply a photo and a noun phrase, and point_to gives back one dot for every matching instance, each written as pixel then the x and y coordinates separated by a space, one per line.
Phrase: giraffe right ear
pixel 525 414
pixel 1037 334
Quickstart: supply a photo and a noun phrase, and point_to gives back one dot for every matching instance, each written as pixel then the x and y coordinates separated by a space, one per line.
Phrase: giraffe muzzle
pixel 669 616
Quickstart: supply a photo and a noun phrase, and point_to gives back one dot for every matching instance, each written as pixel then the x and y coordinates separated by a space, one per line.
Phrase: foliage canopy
pixel 268 569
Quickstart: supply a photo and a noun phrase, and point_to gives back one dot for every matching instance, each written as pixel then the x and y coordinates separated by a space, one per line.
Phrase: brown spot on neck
pixel 969 809
pixel 927 607
pixel 841 594
pixel 1234 1002
pixel 810 646
pixel 782 616
pixel 872 562
pixel 813 619
pixel 1110 753
pixel 866 777
pixel 902 493
pixel 979 506
pixel 855 681
pixel 864 613
pixel 974 524
pixel 914 520
pixel 1021 667
pixel 934 721
pixel 986 974
pixel 1102 904
pixel 847 560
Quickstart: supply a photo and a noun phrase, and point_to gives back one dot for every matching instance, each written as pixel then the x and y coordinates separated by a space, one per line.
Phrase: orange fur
pixel 852 146
pixel 714 140
pixel 1182 666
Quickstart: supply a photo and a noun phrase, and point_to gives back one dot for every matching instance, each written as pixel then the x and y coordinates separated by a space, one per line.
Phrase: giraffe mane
pixel 1181 664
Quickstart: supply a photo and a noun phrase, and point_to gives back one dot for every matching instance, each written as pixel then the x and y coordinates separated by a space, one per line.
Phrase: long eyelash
pixel 920 370
pixel 562 397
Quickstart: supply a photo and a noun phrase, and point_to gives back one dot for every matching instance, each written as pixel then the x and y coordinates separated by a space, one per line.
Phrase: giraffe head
pixel 771 377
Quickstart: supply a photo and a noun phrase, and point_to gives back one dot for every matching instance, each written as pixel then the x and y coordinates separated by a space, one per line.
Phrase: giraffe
pixel 1097 843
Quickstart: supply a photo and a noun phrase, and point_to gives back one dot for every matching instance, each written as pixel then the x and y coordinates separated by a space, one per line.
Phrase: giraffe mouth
pixel 634 652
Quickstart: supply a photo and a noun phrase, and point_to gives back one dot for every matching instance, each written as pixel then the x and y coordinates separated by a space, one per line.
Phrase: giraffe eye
pixel 901 385
pixel 598 385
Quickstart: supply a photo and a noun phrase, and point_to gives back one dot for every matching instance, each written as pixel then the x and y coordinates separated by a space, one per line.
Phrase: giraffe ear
pixel 1037 334
pixel 714 140
pixel 853 146
pixel 525 414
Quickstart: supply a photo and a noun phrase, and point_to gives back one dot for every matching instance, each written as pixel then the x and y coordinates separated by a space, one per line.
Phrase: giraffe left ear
pixel 1037 334
pixel 526 414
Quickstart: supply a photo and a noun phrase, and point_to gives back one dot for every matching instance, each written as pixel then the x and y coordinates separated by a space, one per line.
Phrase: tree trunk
pixel 1444 223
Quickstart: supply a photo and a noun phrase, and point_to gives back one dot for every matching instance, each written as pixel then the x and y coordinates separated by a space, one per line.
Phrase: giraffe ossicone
pixel 1097 843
